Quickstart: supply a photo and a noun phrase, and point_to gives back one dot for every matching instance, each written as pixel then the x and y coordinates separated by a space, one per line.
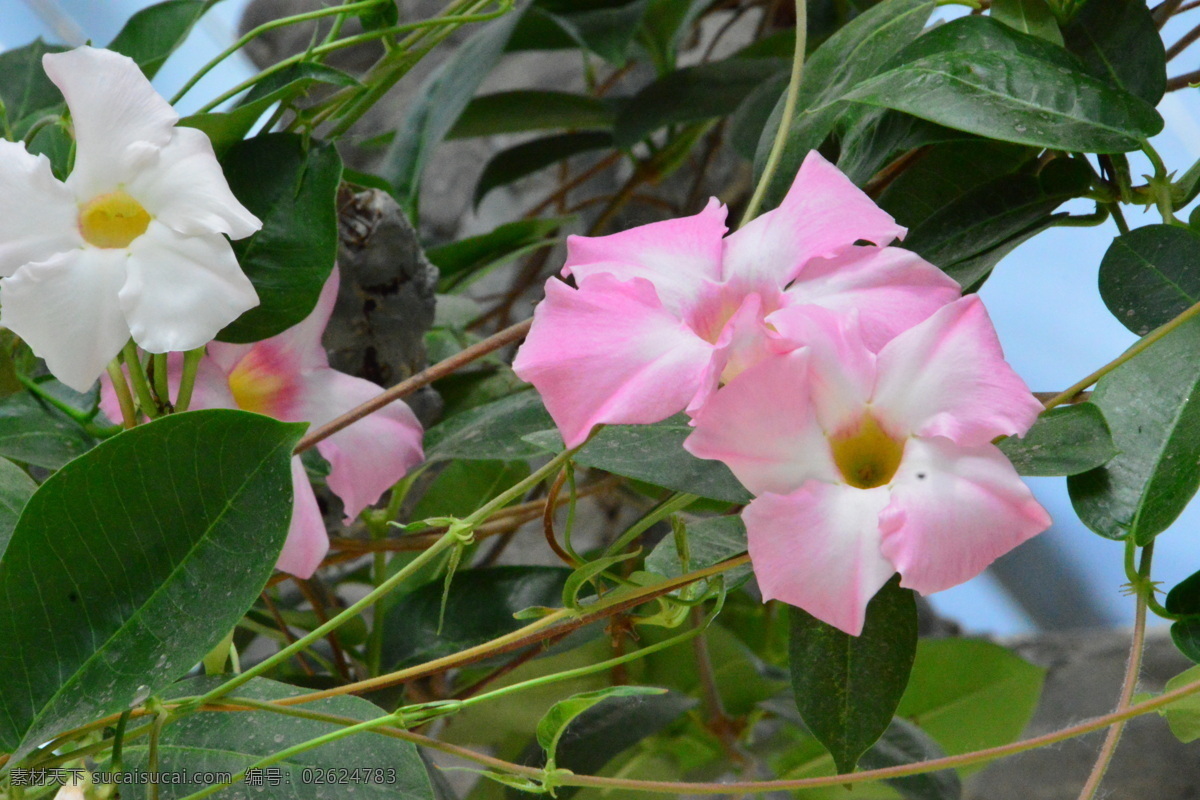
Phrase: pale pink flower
pixel 869 464
pixel 288 377
pixel 666 312
pixel 133 243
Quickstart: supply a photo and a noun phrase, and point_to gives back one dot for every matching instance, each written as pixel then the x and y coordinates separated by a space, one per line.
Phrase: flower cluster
pixel 844 381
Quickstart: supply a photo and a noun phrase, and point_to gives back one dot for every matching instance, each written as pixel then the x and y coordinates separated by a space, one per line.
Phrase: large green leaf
pixel 1184 715
pixel 905 743
pixel 1150 406
pixel 607 28
pixel 368 765
pixel 461 262
pixel 33 432
pixel 293 190
pixel 709 541
pixel 1033 17
pixel 1151 274
pixel 432 113
pixel 1064 441
pixel 492 431
pixel 155 32
pixel 523 160
pixel 879 135
pixel 137 558
pixel 464 486
pixel 692 94
pixel 25 90
pixel 847 687
pixel 16 487
pixel 1118 41
pixel 999 83
pixel 525 110
pixel 853 54
pixel 1184 600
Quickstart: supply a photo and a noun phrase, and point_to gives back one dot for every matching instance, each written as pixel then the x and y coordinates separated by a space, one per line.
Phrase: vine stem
pixel 425 377
pixel 1138 346
pixel 1132 670
pixel 785 122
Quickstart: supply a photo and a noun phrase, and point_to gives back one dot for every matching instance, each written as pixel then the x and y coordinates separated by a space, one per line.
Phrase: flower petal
pixel 675 255
pixel 817 548
pixel 38 213
pixel 307 541
pixel 370 456
pixel 947 377
pixel 891 288
pixel 182 290
pixel 609 352
pixel 302 341
pixel 822 215
pixel 762 427
pixel 119 120
pixel 66 309
pixel 954 510
pixel 185 189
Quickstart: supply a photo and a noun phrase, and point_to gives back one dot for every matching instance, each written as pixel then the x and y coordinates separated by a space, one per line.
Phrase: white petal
pixel 818 549
pixel 182 290
pixel 185 189
pixel 38 213
pixel 66 309
pixel 119 120
pixel 954 510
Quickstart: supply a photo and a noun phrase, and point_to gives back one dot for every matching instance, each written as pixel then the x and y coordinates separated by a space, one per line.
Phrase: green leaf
pixel 905 743
pixel 1185 599
pixel 162 537
pixel 607 29
pixel 881 135
pixel 1064 441
pixel 523 160
pixel 1118 42
pixel 1183 716
pixel 554 724
pixel 56 144
pixel 968 237
pixel 970 694
pixel 847 687
pixel 1155 423
pixel 1185 633
pixel 385 14
pixel 587 574
pixel 33 432
pixel 25 91
pixel 464 486
pixel 439 102
pixel 16 487
pixel 856 52
pixel 1150 275
pixel 654 454
pixel 525 110
pixel 293 190
pixel 227 128
pixel 462 261
pixel 155 32
pixel 369 766
pixel 692 94
pixel 492 431
pixel 665 22
pixel 709 541
pixel 480 608
pixel 748 122
pixel 1010 87
pixel 1033 17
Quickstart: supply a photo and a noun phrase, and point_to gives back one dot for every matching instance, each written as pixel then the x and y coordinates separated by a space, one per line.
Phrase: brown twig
pixel 1183 81
pixel 548 521
pixel 1184 43
pixel 313 595
pixel 281 623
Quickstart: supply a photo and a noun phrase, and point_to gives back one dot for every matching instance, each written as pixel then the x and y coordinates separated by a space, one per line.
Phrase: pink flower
pixel 288 377
pixel 868 464
pixel 666 312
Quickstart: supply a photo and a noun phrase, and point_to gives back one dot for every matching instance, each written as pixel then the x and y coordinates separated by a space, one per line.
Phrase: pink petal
pixel 370 456
pixel 675 255
pixel 954 510
pixel 892 289
pixel 762 427
pixel 818 549
pixel 307 542
pixel 822 215
pixel 300 345
pixel 947 377
pixel 609 352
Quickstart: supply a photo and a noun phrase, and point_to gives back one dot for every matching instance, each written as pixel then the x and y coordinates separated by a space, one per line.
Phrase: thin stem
pixel 423 378
pixel 676 502
pixel 162 390
pixel 1133 669
pixel 785 122
pixel 137 377
pixel 1138 346
pixel 1160 184
pixel 187 383
pixel 160 719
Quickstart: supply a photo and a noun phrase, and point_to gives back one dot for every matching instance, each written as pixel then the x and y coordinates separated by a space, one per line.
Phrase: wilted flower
pixel 133 243
pixel 288 377
pixel 870 464
pixel 666 312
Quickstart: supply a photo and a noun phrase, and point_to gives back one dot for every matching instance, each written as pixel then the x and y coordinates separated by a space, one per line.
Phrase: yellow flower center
pixel 112 220
pixel 257 387
pixel 866 454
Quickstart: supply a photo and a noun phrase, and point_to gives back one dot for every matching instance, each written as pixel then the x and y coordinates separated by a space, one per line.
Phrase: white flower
pixel 132 243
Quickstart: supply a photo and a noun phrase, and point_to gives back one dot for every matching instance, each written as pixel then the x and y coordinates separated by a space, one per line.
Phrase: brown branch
pixel 548 521
pixel 1184 43
pixel 1183 81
